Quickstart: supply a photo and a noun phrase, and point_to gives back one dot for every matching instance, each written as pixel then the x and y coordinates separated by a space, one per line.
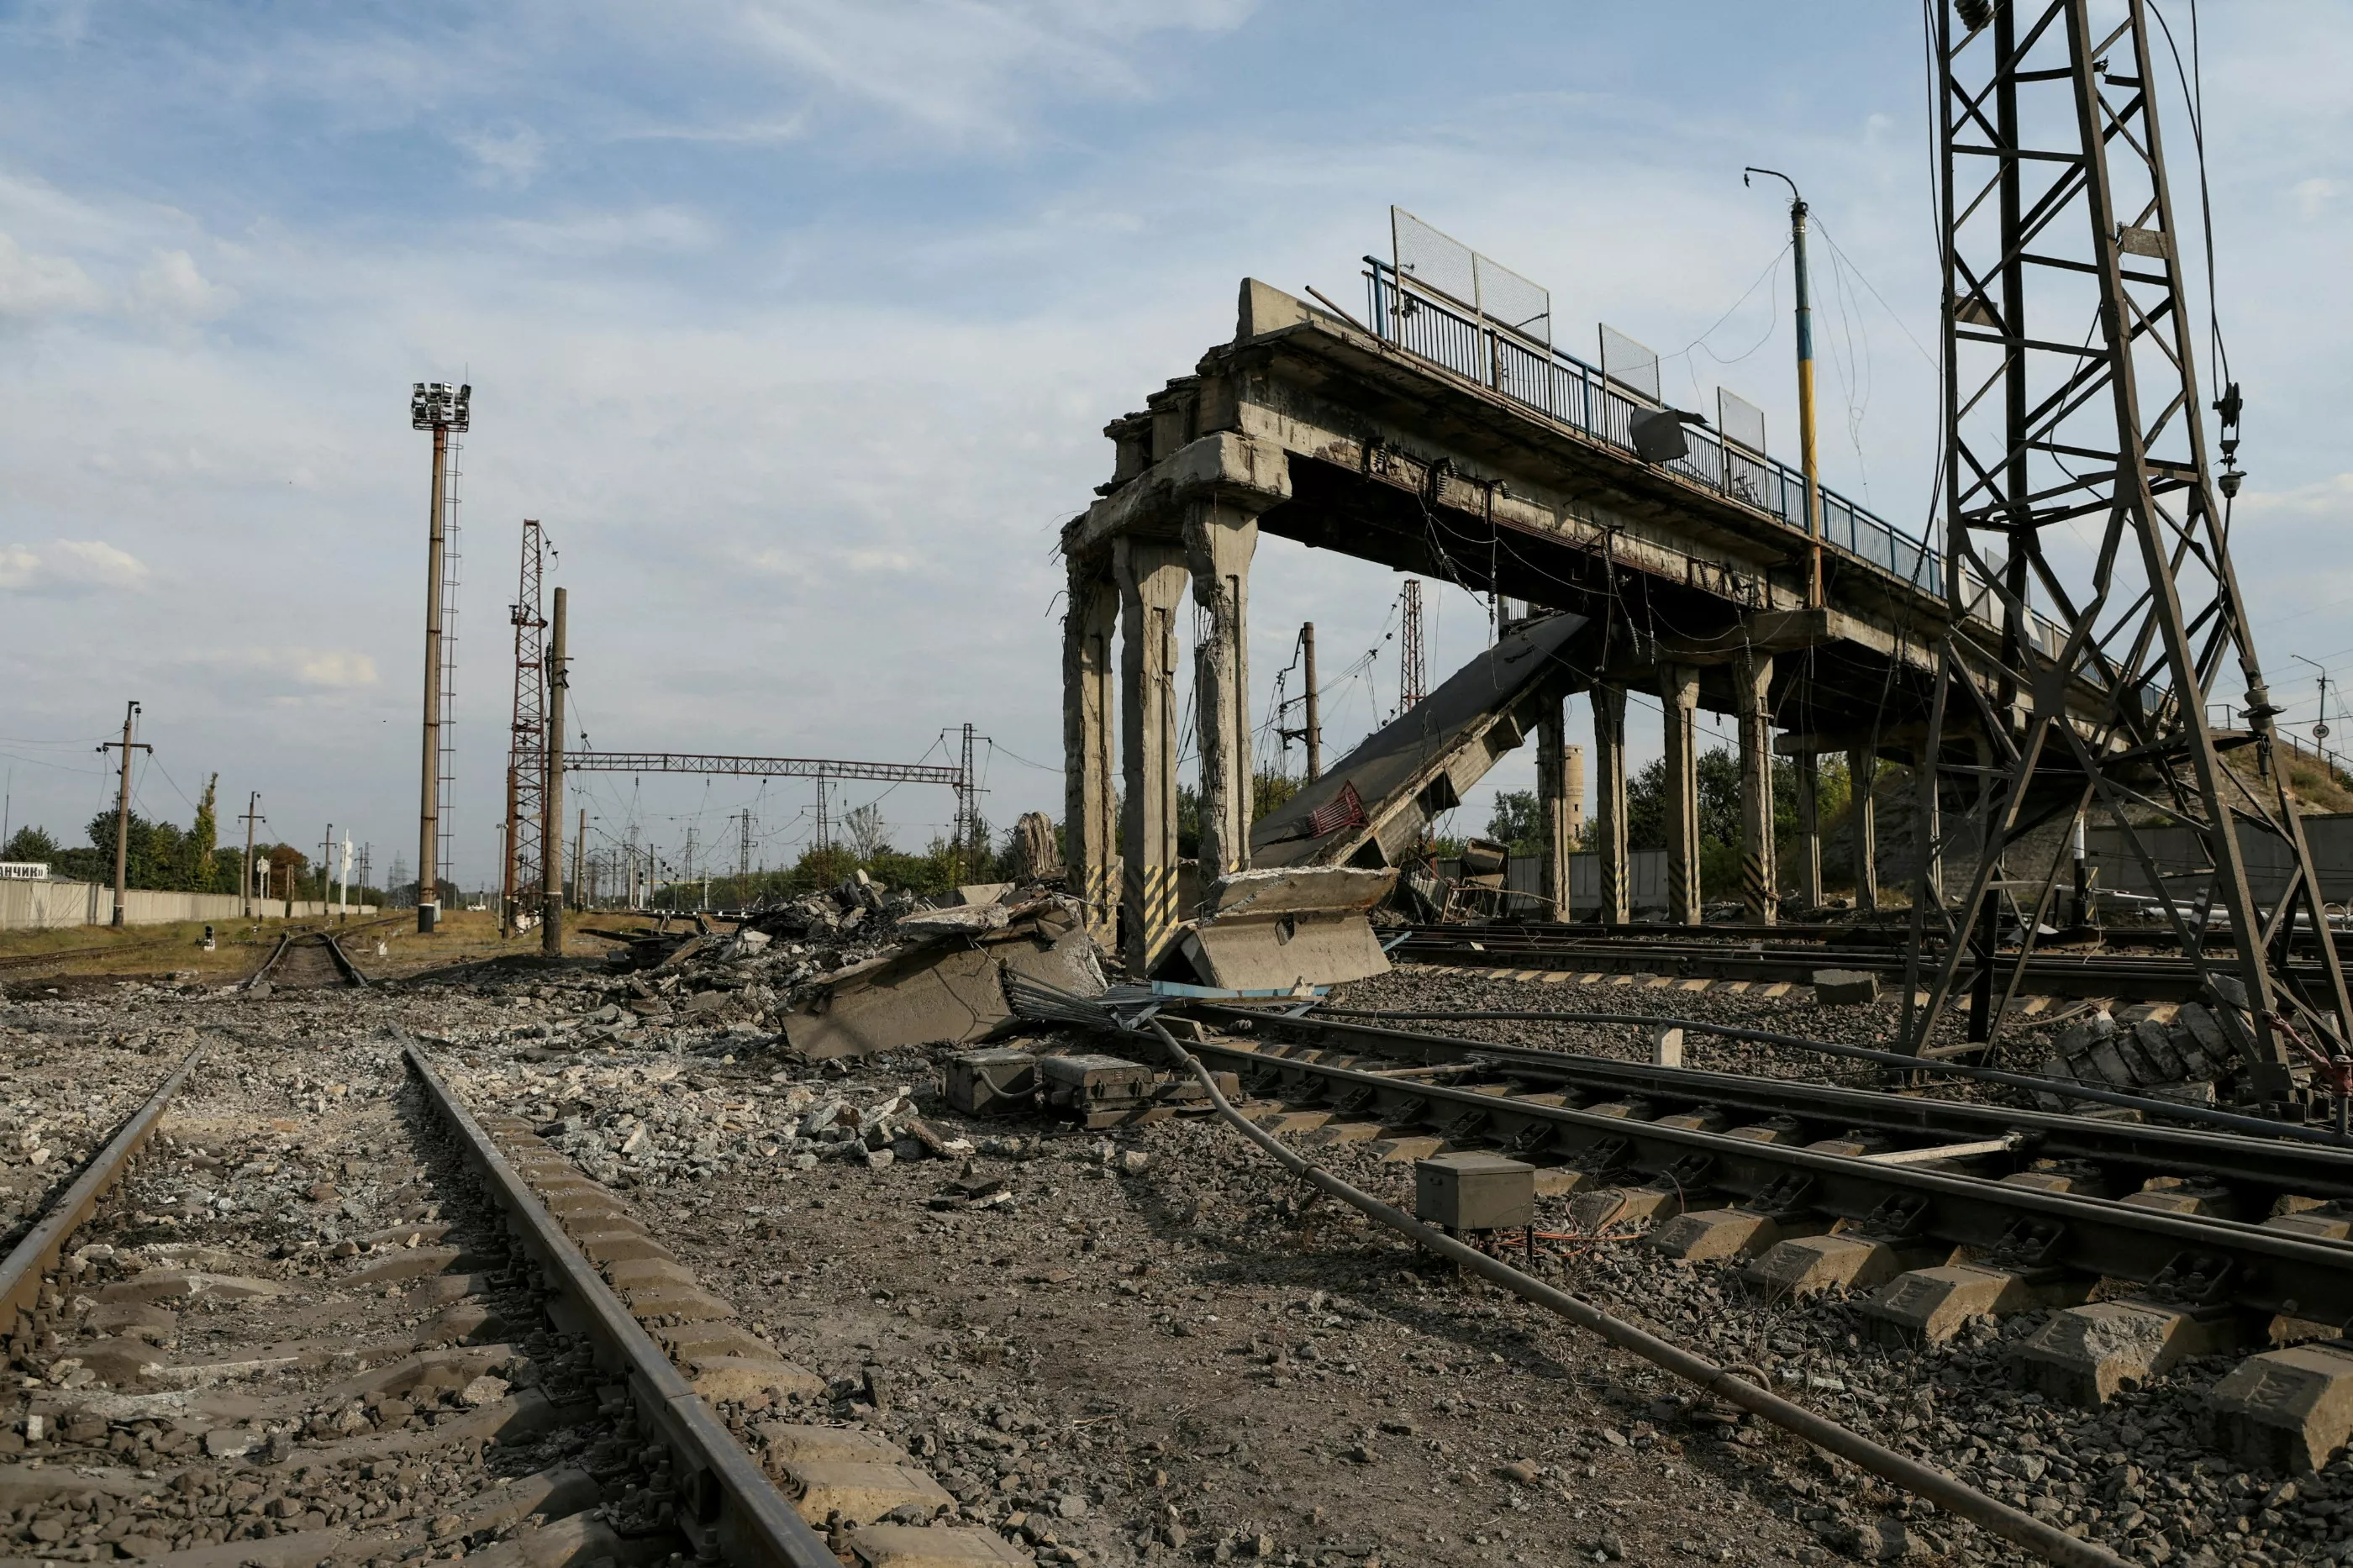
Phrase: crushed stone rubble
pixel 1140 1343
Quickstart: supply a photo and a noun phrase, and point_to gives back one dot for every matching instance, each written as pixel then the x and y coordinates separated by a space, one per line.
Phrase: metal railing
pixel 1563 388
pixel 1566 389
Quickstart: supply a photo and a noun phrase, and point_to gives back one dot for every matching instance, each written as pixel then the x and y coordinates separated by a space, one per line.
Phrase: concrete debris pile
pixel 2188 1057
pixel 636 1126
pixel 942 980
pixel 1093 1089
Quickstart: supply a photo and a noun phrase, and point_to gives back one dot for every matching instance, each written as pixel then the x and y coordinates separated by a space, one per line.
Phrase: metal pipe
pixel 1956 1498
pixel 2065 1088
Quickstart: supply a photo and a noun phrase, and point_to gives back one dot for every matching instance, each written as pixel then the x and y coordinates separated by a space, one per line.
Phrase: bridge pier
pixel 1679 697
pixel 1610 802
pixel 1862 768
pixel 1220 539
pixel 1809 831
pixel 1759 876
pixel 1560 790
pixel 1152 575
pixel 1090 809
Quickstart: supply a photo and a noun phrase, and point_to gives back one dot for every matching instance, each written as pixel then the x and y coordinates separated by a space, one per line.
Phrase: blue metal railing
pixel 1565 388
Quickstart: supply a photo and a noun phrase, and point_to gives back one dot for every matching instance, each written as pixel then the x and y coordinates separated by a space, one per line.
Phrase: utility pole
pixel 440 408
pixel 326 865
pixel 579 838
pixel 245 880
pixel 123 809
pixel 1315 707
pixel 551 872
pixel 1807 455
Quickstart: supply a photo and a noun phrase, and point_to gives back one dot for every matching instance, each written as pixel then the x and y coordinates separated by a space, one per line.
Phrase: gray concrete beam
pixel 1559 797
pixel 1759 874
pixel 1861 765
pixel 1152 586
pixel 1809 831
pixel 1219 538
pixel 1610 802
pixel 1679 697
pixel 1089 799
pixel 1248 471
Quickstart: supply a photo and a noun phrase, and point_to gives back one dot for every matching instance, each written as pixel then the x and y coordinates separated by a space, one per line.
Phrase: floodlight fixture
pixel 437 404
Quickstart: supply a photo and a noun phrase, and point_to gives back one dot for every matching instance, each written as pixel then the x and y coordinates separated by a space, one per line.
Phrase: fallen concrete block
pixel 942 991
pixel 1844 987
pixel 1275 930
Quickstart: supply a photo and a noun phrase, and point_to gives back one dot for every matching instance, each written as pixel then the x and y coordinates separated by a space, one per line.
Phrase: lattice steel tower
pixel 1413 662
pixel 2079 487
pixel 527 735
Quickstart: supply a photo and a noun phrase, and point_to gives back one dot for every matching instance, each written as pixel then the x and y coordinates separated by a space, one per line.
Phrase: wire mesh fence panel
pixel 1435 260
pixel 1628 363
pixel 1511 300
pixel 1741 421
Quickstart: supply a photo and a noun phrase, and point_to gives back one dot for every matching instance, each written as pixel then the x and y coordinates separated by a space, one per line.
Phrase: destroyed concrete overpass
pixel 1689 574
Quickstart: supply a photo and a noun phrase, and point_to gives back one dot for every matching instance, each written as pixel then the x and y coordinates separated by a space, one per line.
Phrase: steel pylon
pixel 2081 510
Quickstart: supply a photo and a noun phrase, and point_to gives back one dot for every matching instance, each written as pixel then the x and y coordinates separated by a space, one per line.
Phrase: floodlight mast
pixel 437 406
pixel 2055 199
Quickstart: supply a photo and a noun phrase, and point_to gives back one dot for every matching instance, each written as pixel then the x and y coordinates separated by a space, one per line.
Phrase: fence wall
pixel 44 906
pixel 2182 861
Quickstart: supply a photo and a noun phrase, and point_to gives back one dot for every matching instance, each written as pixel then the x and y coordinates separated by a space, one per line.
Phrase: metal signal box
pixel 1474 1192
pixel 1094 1082
pixel 992 1082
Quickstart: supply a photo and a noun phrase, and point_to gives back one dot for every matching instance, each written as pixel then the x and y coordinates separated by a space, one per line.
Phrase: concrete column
pixel 1557 805
pixel 1930 827
pixel 1809 831
pixel 1609 803
pixel 1760 879
pixel 1679 696
pixel 1861 764
pixel 1090 795
pixel 1152 586
pixel 1219 538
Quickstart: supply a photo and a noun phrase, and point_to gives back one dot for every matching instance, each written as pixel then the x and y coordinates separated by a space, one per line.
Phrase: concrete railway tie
pixel 1906 1203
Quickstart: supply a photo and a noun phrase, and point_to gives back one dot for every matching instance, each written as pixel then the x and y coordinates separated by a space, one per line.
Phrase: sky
pixel 797 324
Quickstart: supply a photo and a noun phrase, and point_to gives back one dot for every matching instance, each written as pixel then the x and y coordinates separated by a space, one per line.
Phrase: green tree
pixel 1518 821
pixel 200 873
pixel 30 842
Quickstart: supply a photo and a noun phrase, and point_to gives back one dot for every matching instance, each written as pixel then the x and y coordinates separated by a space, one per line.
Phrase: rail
pixel 1560 387
pixel 726 1507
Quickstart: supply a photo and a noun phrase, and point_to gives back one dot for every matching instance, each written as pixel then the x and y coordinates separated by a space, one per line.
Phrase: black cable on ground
pixel 1956 1498
pixel 2064 1088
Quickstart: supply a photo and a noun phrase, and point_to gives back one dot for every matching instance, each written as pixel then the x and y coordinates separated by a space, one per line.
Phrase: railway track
pixel 305 960
pixel 394 1330
pixel 2146 1243
pixel 1770 955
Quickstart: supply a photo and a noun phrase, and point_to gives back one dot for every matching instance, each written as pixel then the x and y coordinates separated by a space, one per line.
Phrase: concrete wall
pixel 2175 849
pixel 44 906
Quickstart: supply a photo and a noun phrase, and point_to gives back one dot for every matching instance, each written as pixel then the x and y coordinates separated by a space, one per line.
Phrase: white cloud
pixel 511 161
pixel 2328 498
pixel 172 287
pixel 69 569
pixel 33 286
pixel 2316 195
pixel 326 669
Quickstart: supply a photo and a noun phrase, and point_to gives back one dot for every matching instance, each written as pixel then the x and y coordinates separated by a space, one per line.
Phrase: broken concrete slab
pixel 1278 930
pixel 1845 987
pixel 943 990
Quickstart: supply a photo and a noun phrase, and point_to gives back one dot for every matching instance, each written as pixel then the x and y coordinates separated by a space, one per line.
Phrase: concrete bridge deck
pixel 1691 576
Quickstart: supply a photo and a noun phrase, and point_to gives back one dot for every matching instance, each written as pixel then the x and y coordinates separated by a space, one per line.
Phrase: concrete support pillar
pixel 1809 831
pixel 1861 765
pixel 1219 538
pixel 1929 829
pixel 1609 803
pixel 1679 697
pixel 1090 794
pixel 1558 796
pixel 1759 871
pixel 1152 586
